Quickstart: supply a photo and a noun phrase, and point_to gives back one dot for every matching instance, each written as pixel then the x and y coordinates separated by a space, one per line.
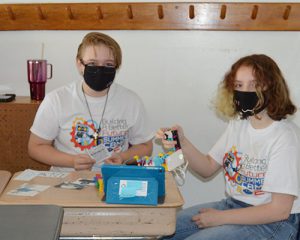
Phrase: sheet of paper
pixel 29 174
pixel 79 184
pixel 28 190
pixel 85 182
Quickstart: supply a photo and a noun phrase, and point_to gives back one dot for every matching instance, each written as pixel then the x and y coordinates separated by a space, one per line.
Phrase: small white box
pixel 175 160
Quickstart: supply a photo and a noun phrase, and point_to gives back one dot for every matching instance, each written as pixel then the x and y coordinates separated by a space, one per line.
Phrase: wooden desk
pixel 4 179
pixel 86 215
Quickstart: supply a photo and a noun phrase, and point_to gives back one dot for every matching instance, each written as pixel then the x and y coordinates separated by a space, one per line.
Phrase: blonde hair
pixel 271 88
pixel 96 38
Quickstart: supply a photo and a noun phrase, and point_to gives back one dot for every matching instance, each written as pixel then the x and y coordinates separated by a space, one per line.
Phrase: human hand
pixel 207 217
pixel 83 162
pixel 160 134
pixel 115 159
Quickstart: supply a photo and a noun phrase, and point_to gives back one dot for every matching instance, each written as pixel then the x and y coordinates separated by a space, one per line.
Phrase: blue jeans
pixel 188 230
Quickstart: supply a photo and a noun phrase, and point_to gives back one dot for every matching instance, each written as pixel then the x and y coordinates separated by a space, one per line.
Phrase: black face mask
pixel 245 103
pixel 99 78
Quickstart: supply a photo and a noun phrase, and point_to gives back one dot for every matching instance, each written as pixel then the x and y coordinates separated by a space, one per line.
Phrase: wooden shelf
pixel 151 16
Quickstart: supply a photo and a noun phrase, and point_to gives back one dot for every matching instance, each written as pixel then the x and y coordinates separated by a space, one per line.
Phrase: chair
pixel 29 222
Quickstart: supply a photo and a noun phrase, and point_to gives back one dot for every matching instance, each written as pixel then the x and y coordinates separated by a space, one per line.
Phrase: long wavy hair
pixel 271 88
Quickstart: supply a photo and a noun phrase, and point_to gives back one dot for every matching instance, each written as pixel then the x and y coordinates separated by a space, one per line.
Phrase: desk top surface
pixel 4 178
pixel 86 197
pixel 22 100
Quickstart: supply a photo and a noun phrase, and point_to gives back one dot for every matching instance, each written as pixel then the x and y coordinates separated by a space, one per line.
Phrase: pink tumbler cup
pixel 37 77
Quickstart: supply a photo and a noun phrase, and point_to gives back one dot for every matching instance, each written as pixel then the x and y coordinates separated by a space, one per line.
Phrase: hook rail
pixel 151 16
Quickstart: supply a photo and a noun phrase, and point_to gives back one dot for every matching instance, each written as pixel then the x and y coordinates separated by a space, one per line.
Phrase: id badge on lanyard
pixel 99 153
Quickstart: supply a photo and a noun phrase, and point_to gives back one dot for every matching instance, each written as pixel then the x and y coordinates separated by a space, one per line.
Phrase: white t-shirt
pixel 257 162
pixel 63 116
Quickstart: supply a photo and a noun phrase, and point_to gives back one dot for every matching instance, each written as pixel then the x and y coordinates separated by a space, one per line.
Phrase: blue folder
pixel 133 184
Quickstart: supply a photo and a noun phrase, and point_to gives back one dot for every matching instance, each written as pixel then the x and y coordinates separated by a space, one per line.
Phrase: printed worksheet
pixel 28 190
pixel 29 174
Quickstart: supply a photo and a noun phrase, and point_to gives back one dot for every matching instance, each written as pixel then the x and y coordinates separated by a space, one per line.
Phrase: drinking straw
pixel 43 48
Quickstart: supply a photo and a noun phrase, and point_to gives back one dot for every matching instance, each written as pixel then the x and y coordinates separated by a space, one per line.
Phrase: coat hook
pixel 129 12
pixel 11 14
pixel 70 13
pixel 191 11
pixel 40 13
pixel 160 11
pixel 254 12
pixel 99 13
pixel 223 12
pixel 287 12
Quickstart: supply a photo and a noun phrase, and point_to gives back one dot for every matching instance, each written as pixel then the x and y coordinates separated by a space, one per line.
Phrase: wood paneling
pixel 16 119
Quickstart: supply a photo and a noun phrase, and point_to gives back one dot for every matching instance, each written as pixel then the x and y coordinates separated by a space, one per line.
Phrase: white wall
pixel 175 72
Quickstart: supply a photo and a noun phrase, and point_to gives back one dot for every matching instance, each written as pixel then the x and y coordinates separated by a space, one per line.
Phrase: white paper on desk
pixel 28 190
pixel 84 182
pixel 29 174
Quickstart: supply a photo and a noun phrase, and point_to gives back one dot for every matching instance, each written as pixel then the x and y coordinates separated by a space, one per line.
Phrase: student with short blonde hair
pixel 86 123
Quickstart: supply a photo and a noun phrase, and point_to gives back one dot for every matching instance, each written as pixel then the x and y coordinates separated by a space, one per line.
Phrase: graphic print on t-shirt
pixel 82 134
pixel 244 174
pixel 114 134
